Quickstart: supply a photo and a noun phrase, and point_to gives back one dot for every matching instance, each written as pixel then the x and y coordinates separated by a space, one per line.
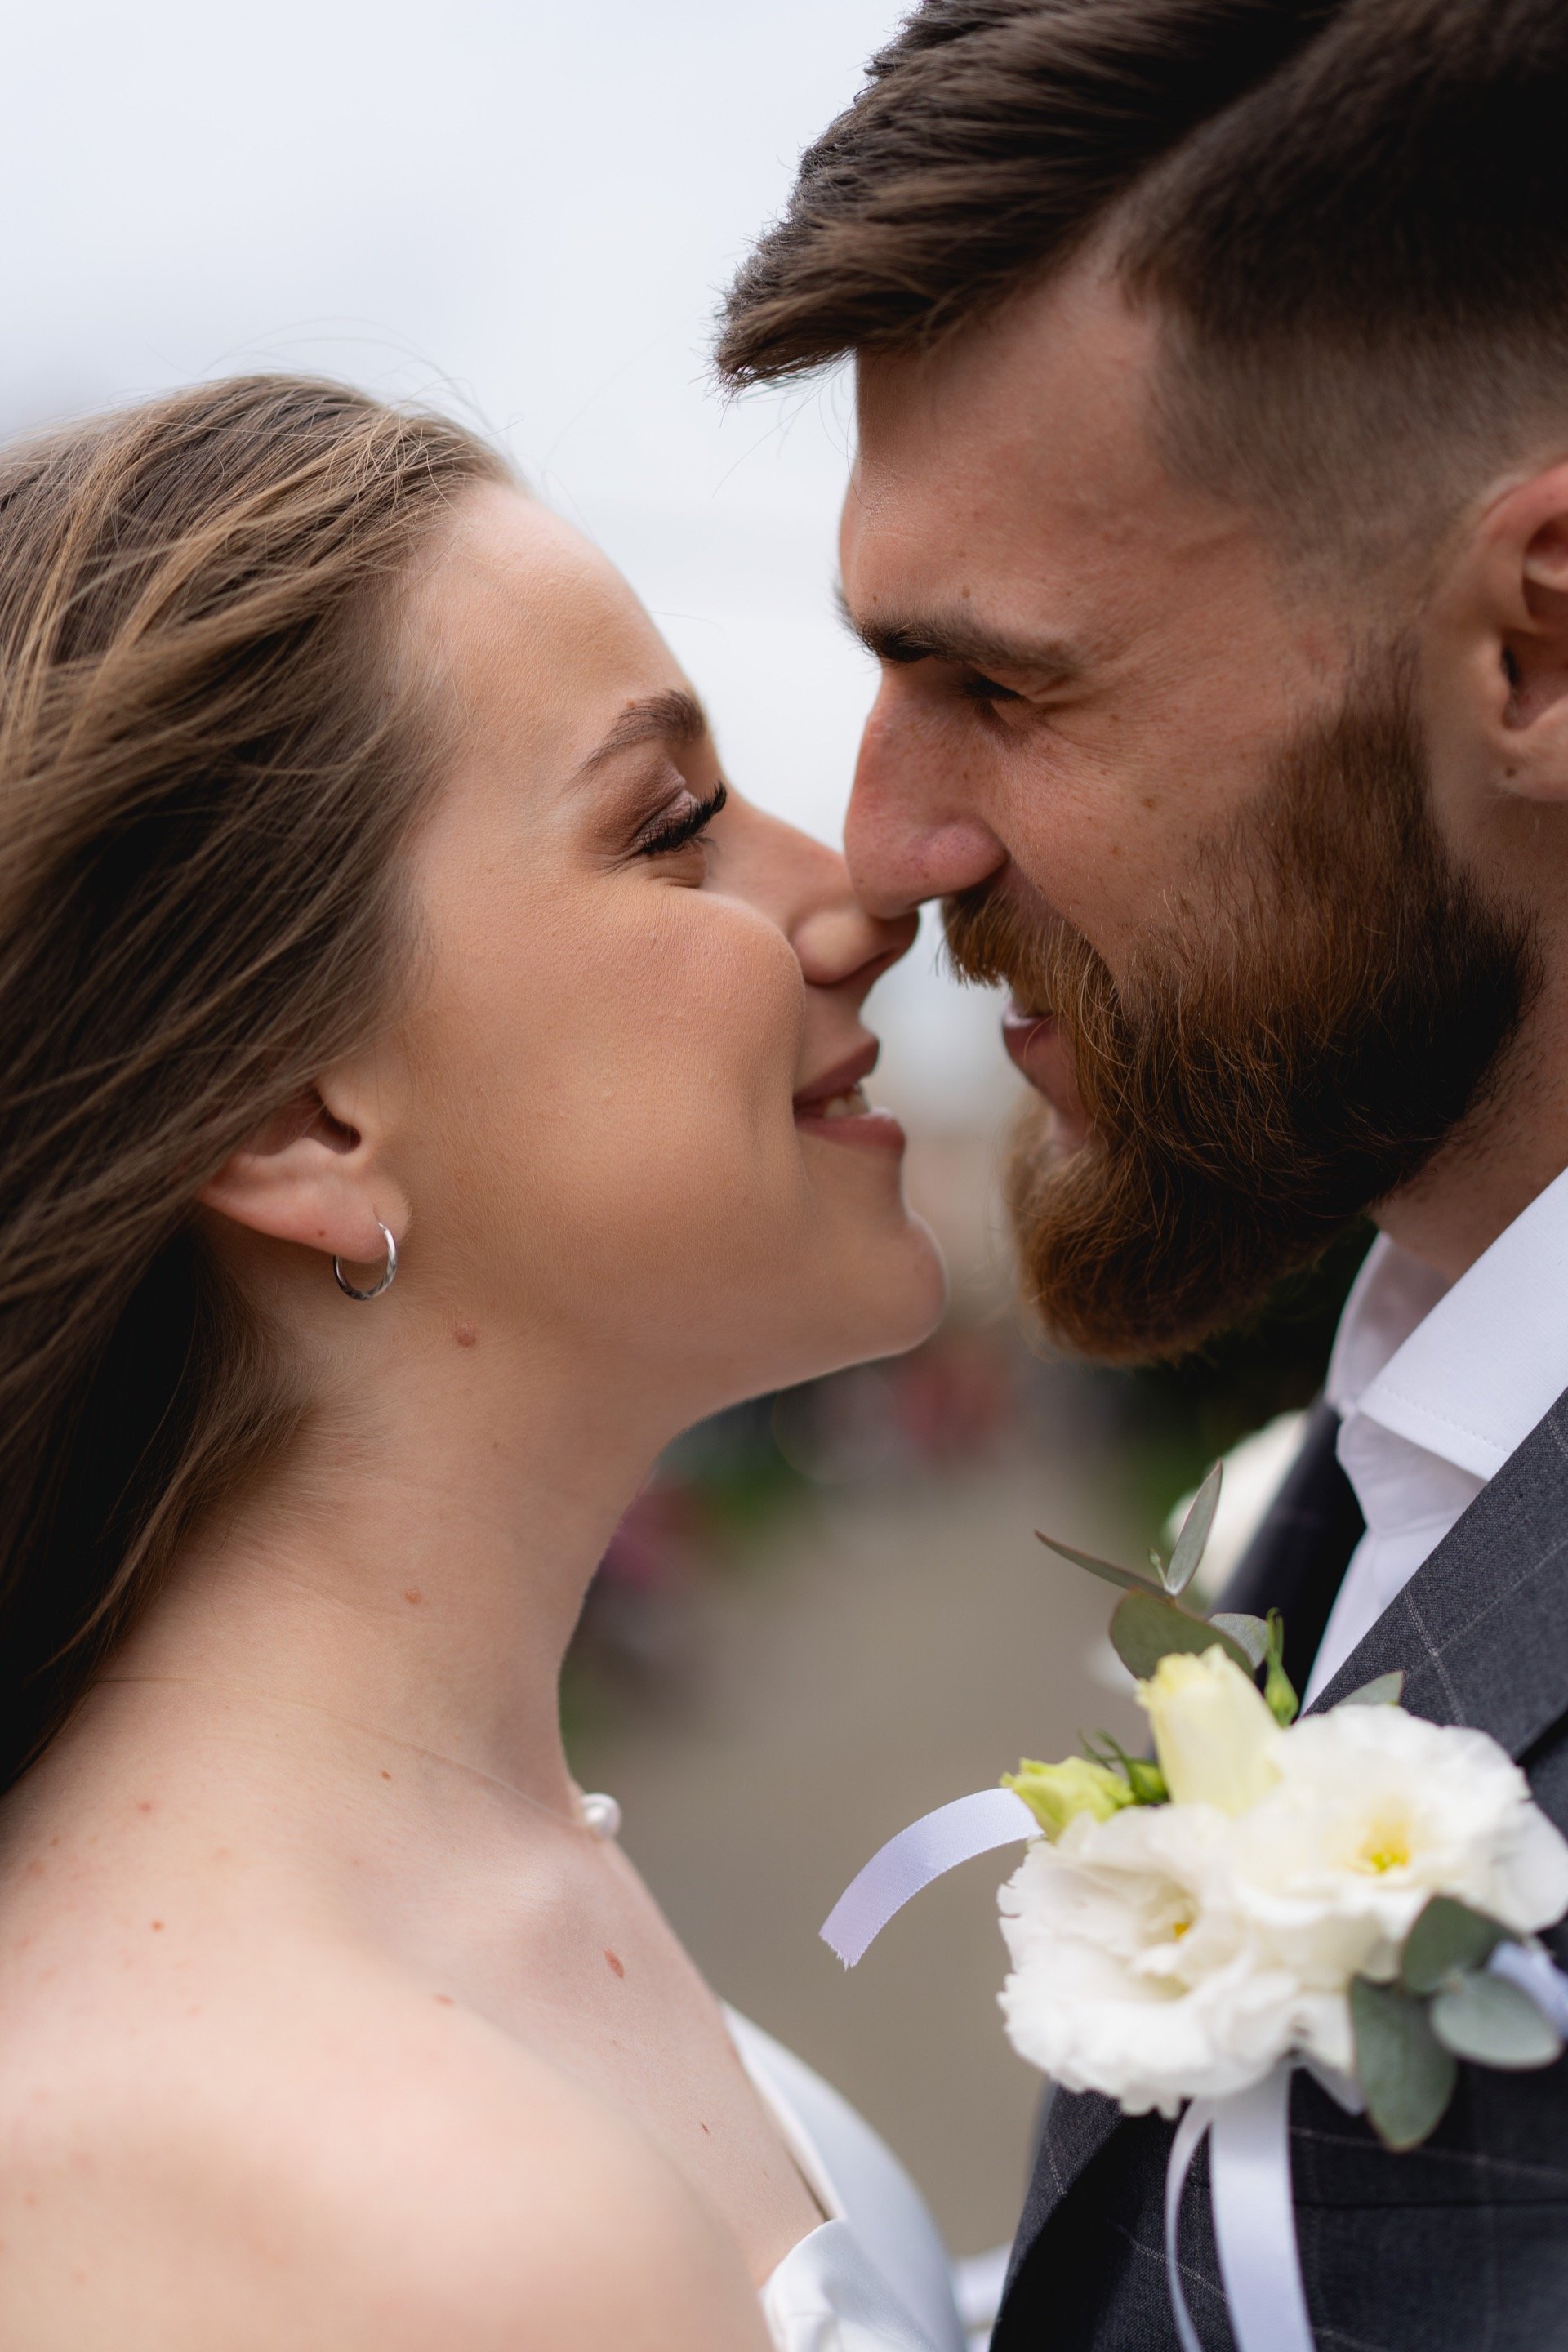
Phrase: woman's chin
pixel 862 1321
pixel 894 1296
pixel 854 1289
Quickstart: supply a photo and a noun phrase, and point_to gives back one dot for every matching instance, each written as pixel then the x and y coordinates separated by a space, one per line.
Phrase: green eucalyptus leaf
pixel 1187 1551
pixel 1248 1633
pixel 1383 1690
pixel 1493 2021
pixel 1130 1579
pixel 1144 1629
pixel 1406 2076
pixel 1447 1938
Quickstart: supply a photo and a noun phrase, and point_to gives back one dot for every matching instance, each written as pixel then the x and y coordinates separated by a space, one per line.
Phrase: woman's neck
pixel 417 1569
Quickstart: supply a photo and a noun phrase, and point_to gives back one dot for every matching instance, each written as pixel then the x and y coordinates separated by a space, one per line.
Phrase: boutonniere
pixel 1357 1891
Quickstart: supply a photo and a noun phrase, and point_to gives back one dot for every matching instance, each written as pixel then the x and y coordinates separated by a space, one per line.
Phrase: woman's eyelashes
pixel 680 826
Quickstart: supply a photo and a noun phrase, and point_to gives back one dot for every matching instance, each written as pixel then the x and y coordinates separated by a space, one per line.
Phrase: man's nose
pixel 911 832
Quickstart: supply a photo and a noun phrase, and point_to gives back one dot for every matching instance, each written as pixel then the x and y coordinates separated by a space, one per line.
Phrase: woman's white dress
pixel 875 2276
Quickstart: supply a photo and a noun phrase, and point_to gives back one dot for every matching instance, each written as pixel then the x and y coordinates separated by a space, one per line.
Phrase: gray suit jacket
pixel 1460 2245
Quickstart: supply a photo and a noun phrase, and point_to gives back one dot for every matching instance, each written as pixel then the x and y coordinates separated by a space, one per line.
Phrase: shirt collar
pixel 1464 1372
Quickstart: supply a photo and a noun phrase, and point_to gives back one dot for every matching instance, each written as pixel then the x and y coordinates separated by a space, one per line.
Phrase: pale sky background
pixel 526 212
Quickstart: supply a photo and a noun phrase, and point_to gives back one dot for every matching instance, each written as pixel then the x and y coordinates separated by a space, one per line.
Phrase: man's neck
pixel 1502 1157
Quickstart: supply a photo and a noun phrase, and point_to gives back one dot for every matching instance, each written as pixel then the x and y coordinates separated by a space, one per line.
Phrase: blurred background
pixel 829 1612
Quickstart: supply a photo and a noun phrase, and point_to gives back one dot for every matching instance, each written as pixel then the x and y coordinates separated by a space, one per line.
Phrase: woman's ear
pixel 1503 611
pixel 310 1177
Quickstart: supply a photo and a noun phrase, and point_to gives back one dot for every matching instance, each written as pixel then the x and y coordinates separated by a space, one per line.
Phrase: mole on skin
pixel 618 1966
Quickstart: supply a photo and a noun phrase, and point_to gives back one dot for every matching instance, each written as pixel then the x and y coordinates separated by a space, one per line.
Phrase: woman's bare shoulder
pixel 337 2162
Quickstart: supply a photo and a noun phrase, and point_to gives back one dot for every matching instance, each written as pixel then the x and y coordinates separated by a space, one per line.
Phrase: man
pixel 1210 522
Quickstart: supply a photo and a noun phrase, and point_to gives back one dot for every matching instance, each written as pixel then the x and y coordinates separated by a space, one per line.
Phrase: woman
pixel 427 1090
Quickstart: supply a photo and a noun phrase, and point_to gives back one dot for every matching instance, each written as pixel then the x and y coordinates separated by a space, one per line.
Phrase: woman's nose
pixel 840 942
pixel 805 886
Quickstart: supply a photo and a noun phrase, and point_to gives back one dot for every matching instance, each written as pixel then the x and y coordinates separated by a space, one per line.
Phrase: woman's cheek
pixel 686 1026
pixel 648 1121
pixel 720 990
pixel 764 994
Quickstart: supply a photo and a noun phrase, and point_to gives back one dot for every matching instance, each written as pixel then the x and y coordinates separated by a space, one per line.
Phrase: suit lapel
pixel 1480 1632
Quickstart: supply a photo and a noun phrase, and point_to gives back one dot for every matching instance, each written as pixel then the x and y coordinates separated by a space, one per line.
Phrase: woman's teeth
pixel 849 1104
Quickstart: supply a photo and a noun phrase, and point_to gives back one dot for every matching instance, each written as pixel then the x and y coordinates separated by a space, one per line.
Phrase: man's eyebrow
pixel 672 717
pixel 918 638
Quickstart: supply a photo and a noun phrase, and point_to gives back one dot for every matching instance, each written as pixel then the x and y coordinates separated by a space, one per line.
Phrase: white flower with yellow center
pixel 1132 1972
pixel 1174 1951
pixel 1374 1813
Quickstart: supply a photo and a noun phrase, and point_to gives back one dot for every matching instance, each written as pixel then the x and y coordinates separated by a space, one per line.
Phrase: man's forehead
pixel 1056 387
pixel 1022 458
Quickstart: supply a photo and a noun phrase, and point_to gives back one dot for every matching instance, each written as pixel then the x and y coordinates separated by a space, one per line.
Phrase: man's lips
pixel 1022 1031
pixel 1037 1046
pixel 833 1105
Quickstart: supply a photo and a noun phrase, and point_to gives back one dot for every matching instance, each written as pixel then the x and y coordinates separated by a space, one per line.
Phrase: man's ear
pixel 310 1177
pixel 1504 612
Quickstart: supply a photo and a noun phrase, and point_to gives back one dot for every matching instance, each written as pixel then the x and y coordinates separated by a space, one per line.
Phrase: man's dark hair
pixel 1353 215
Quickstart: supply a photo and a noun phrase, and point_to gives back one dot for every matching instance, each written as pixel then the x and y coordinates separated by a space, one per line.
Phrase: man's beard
pixel 1292 1046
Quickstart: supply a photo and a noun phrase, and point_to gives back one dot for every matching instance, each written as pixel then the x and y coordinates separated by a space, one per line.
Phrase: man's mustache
pixel 1000 934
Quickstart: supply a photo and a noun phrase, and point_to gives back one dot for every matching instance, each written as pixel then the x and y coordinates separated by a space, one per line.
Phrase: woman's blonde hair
pixel 210 756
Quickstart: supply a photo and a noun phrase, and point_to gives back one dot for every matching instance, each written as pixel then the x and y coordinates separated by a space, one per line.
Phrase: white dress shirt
pixel 1435 1387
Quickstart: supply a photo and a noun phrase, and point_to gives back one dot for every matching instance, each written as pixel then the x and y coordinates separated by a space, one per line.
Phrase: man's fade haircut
pixel 1351 216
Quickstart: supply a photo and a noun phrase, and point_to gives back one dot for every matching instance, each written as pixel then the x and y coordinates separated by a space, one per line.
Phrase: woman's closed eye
pixel 680 826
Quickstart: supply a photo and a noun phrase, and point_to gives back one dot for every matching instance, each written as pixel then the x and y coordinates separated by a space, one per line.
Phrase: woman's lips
pixel 833 1105
pixel 1036 1044
pixel 848 1118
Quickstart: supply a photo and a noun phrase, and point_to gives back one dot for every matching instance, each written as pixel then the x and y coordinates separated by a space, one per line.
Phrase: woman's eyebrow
pixel 672 717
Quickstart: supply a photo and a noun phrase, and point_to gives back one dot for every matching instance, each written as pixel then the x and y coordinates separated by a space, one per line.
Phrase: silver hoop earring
pixel 388 1272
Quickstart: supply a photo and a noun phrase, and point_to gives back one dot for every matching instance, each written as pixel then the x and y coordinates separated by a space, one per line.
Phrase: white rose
pixel 1374 1813
pixel 1133 1972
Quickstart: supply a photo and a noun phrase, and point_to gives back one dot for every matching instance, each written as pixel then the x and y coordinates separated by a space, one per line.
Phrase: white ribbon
pixel 1250 2181
pixel 936 1843
pixel 1532 1968
pixel 1254 2216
